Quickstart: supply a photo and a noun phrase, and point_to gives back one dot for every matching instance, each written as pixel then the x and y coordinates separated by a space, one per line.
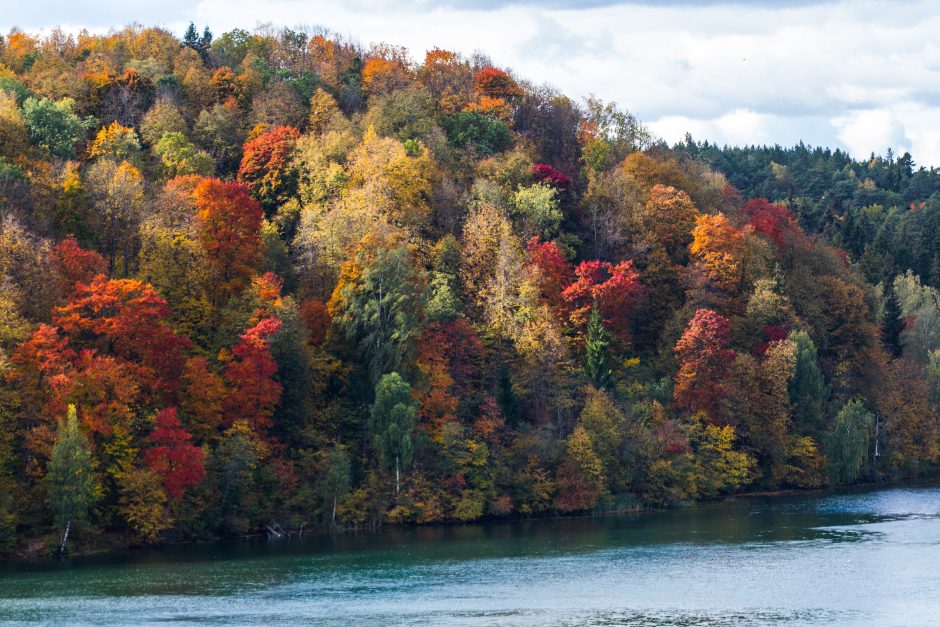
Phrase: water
pixel 850 558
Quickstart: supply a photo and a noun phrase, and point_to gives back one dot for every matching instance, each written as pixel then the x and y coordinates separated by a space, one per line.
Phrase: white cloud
pixel 858 74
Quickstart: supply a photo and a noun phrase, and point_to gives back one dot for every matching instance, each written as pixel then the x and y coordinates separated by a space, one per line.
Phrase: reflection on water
pixel 851 558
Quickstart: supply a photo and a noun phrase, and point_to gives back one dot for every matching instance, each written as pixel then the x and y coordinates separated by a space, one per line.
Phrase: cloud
pixel 857 74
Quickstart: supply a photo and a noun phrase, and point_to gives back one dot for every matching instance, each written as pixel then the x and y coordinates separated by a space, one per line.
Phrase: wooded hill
pixel 277 278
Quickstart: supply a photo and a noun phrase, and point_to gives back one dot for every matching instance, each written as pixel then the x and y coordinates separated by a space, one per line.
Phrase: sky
pixel 862 75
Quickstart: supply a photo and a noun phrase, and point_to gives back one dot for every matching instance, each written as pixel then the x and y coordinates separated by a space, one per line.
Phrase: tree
pixel 202 397
pixel 581 479
pixel 392 423
pixel 267 168
pixel 163 117
pixel 614 288
pixel 667 219
pixel 478 133
pixel 228 222
pixel 336 477
pixel 809 393
pixel 847 442
pixel 595 351
pixel 70 479
pixel 703 364
pixel 52 126
pixel 377 304
pixel 117 143
pixel 117 192
pixel 496 83
pixel 128 319
pixel 180 157
pixel 254 393
pixel 536 210
pixel 555 273
pixel 719 247
pixel 179 462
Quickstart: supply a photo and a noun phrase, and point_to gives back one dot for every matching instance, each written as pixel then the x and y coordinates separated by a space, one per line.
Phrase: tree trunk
pixel 397 478
pixel 65 537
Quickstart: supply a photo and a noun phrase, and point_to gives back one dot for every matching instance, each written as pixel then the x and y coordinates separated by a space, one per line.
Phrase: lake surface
pixel 862 558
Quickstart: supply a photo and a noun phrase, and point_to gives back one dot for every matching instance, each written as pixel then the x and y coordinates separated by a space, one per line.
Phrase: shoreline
pixel 40 559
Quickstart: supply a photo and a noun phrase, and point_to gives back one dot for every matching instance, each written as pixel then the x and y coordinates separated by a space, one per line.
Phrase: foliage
pixel 275 268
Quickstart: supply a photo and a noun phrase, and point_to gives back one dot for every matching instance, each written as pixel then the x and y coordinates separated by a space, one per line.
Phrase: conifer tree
pixel 596 365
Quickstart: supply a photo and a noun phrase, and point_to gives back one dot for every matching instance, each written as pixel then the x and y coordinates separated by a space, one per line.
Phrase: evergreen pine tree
pixel 595 361
pixel 893 322
pixel 191 37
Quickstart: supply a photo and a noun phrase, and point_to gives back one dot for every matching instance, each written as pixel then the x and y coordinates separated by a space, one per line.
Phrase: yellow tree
pixel 719 248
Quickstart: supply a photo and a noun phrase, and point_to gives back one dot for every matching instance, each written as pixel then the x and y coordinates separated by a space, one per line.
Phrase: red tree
pixel 550 176
pixel 496 83
pixel 126 319
pixel 703 364
pixel 615 289
pixel 266 165
pixel 776 222
pixel 229 222
pixel 555 273
pixel 254 392
pixel 74 264
pixel 173 455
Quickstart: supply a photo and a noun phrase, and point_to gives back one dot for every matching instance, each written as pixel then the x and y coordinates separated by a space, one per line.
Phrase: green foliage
pixel 71 485
pixel 381 311
pixel 477 132
pixel 536 210
pixel 179 156
pixel 809 394
pixel 848 441
pixel 392 422
pixel 53 126
pixel 596 344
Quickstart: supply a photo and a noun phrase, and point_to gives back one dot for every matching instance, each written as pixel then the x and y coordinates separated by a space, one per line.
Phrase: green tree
pixel 53 126
pixel 179 156
pixel 809 393
pixel 596 365
pixel 535 210
pixel 70 479
pixel 381 311
pixel 392 423
pixel 336 477
pixel 847 442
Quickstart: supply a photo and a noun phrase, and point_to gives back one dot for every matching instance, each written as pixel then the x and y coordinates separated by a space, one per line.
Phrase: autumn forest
pixel 258 282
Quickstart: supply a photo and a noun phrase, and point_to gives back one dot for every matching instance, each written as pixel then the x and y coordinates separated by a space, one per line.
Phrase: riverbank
pixel 95 543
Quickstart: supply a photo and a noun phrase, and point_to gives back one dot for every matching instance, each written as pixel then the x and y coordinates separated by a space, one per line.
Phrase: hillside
pixel 275 278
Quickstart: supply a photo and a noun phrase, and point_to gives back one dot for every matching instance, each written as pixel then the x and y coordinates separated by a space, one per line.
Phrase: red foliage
pixel 103 388
pixel 703 363
pixel 776 222
pixel 496 83
pixel 615 289
pixel 316 319
pixel 127 319
pixel 555 273
pixel 550 176
pixel 772 333
pixel 202 399
pixel 254 393
pixel 266 164
pixel 229 220
pixel 173 455
pixel 449 355
pixel 76 265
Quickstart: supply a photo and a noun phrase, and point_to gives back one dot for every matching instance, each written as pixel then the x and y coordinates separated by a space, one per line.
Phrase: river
pixel 849 558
